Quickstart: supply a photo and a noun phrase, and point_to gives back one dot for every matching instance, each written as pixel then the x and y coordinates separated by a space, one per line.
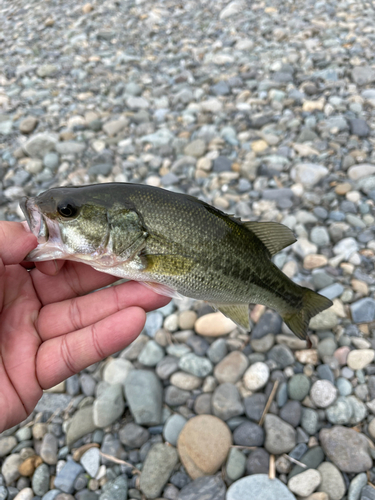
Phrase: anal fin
pixel 239 313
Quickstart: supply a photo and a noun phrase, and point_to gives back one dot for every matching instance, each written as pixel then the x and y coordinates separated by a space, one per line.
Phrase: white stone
pixel 117 370
pixel 360 358
pixel 323 393
pixel 305 483
pixel 256 376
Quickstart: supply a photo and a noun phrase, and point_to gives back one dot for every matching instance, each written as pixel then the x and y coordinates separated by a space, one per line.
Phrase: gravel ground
pixel 266 110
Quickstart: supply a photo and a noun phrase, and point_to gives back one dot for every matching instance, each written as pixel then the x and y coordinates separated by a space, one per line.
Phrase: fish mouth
pixel 46 231
pixel 37 223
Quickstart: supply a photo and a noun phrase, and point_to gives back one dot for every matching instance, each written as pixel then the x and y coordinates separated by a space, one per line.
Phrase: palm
pixel 50 328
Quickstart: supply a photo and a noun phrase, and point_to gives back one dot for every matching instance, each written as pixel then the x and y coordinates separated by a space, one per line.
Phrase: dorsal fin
pixel 273 235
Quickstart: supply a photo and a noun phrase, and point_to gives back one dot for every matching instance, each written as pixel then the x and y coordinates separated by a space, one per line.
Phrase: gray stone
pixel 309 421
pixel 173 396
pixel 117 370
pixel 282 355
pixel 3 493
pixel 332 291
pixel 291 413
pixel 260 487
pixel 359 410
pixel 116 489
pixel 217 351
pixel 308 174
pixel 133 435
pixel 40 480
pixel 172 428
pixel 196 365
pixel 28 124
pixel 52 494
pixel 48 450
pixel 332 481
pixel 154 321
pixel 356 485
pixel 7 443
pixel 109 406
pixel 312 458
pixel 236 464
pixel 195 148
pixel 40 144
pixel 70 147
pixel 248 434
pixel 298 387
pixel 344 387
pixel 222 164
pixel 9 468
pixel 363 310
pixel 226 402
pixel 166 367
pixel 368 493
pixel 340 411
pixel 280 436
pixel 151 354
pixel 204 488
pixel 254 406
pixel 348 449
pixel 144 394
pixel 323 393
pixel 270 322
pixel 359 127
pixel 157 469
pixel 6 127
pixel 66 477
pixel 362 75
pixel 90 461
pixel 160 138
pixel 47 70
pixel 319 235
pixel 258 462
pixel 51 160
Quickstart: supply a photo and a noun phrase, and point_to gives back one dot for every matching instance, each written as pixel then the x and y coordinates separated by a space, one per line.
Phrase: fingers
pixel 73 280
pixel 61 357
pixel 50 267
pixel 73 314
pixel 16 241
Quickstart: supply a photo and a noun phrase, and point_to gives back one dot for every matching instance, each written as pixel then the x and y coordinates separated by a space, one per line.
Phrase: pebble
pixel 28 124
pixel 332 481
pixel 305 483
pixel 144 395
pixel 207 488
pixel 231 368
pixel 40 480
pixel 81 424
pixel 347 449
pixel 185 381
pixel 196 365
pixel 7 443
pixel 115 490
pixel 363 310
pixel 256 376
pixel 259 486
pixel 25 494
pixel 172 428
pixel 280 436
pixel 258 462
pixel 248 434
pixel 90 461
pixel 298 387
pixel 214 325
pixel 117 370
pixel 226 402
pixel 236 464
pixel 108 406
pixel 323 393
pixel 9 468
pixel 157 469
pixel 151 354
pixel 203 445
pixel 133 435
pixel 356 485
pixel 217 351
pixel 360 358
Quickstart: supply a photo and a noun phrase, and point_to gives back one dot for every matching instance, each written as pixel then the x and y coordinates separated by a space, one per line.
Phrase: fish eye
pixel 67 210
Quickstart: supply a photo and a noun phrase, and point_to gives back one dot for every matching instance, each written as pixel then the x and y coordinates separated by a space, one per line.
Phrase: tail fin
pixel 313 303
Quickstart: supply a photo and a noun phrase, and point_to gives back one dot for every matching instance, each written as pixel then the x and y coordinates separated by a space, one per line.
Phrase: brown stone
pixel 28 124
pixel 214 325
pixel 313 261
pixel 203 445
pixel 87 8
pixel 28 466
pixel 231 368
pixel 343 188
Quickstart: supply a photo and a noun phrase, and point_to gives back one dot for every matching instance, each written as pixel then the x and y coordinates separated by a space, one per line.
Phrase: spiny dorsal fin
pixel 273 235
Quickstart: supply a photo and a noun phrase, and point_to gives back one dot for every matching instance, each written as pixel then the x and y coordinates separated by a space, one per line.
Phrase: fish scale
pixel 174 243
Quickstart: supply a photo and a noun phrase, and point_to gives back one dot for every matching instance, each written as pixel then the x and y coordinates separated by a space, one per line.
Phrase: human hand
pixel 49 328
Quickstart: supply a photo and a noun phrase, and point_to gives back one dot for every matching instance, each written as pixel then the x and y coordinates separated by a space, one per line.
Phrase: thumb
pixel 16 241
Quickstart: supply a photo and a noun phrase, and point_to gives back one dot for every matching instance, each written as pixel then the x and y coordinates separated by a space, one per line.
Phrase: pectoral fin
pixel 239 313
pixel 162 289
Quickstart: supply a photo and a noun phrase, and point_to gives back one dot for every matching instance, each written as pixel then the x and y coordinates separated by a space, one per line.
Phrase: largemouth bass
pixel 173 243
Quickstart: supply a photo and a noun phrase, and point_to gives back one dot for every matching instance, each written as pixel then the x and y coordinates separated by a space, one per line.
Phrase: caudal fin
pixel 313 303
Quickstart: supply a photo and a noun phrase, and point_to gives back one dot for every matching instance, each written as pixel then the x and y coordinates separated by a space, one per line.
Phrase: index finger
pixel 16 241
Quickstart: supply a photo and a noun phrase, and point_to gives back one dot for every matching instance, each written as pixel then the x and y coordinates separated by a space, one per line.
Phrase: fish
pixel 173 243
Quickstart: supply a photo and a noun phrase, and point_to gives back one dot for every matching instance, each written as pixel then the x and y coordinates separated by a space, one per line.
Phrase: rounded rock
pixel 214 325
pixel 256 377
pixel 360 358
pixel 172 428
pixel 305 483
pixel 323 393
pixel 280 436
pixel 332 481
pixel 185 381
pixel 260 487
pixel 203 445
pixel 231 368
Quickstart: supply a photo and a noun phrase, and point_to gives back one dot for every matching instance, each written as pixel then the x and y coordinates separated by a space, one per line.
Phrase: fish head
pixel 67 225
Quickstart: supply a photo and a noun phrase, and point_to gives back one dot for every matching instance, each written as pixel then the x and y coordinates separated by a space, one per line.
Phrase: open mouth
pixel 35 220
